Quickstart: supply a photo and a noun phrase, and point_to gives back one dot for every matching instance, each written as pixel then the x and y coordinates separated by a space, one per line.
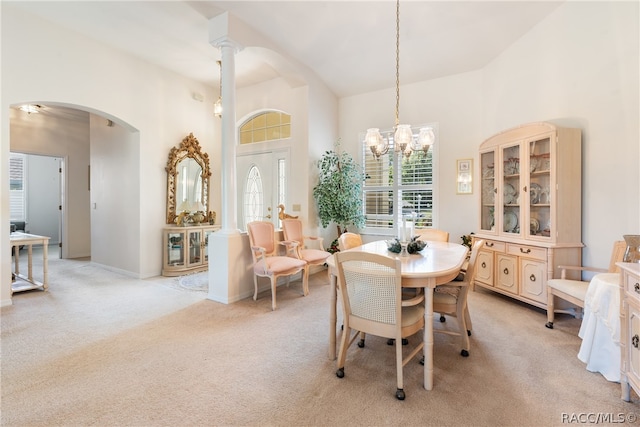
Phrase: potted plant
pixel 338 193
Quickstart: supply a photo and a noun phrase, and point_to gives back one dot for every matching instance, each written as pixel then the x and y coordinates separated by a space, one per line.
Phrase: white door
pixel 261 187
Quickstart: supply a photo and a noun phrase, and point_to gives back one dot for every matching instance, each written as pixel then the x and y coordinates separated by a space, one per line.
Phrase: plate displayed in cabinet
pixel 510 194
pixel 534 192
pixel 510 222
pixel 534 226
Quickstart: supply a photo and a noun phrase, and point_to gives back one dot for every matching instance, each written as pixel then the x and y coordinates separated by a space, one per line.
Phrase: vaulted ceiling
pixel 350 45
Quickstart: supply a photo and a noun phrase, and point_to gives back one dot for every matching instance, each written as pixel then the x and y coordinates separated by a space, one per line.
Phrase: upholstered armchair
pixel 295 238
pixel 268 263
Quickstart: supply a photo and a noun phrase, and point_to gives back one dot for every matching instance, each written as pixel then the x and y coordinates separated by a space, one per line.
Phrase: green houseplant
pixel 338 193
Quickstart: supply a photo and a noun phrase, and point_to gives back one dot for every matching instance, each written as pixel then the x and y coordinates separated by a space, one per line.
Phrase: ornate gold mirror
pixel 187 179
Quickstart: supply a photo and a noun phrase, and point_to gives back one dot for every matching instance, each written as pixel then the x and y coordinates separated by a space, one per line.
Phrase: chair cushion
pixel 279 264
pixel 575 288
pixel 412 314
pixel 444 298
pixel 314 256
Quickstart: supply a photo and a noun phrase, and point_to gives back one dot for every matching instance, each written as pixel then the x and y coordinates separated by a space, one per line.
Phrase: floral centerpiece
pixel 415 245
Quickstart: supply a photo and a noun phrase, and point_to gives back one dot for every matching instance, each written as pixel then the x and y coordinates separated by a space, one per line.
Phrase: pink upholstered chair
pixel 267 262
pixel 293 236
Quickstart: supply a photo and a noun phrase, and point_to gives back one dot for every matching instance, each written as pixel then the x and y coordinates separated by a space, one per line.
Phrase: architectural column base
pixel 230 267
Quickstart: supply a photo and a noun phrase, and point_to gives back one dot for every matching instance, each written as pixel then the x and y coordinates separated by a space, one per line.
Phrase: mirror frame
pixel 189 147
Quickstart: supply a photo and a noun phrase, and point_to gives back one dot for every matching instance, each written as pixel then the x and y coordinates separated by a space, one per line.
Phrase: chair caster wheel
pixel 400 394
pixel 464 353
pixel 549 325
pixel 361 343
pixel 391 341
pixel 442 319
pixel 468 333
pixel 422 360
pixel 340 373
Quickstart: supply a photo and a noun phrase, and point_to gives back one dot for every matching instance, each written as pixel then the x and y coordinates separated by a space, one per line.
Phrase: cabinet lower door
pixel 175 249
pixel 533 280
pixel 195 247
pixel 633 346
pixel 507 274
pixel 484 267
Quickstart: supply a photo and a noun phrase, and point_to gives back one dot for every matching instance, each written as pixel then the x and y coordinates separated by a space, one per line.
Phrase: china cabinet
pixel 629 328
pixel 185 249
pixel 530 209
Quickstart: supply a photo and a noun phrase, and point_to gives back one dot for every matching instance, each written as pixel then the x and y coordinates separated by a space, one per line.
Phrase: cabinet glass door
pixel 540 188
pixel 511 199
pixel 175 250
pixel 195 249
pixel 488 188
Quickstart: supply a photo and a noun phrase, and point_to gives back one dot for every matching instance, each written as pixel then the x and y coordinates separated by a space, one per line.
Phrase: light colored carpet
pixel 101 349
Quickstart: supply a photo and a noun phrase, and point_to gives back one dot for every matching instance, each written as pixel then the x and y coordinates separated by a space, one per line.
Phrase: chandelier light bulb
pixel 425 139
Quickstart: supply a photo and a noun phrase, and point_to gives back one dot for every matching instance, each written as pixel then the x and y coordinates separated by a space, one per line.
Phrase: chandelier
pixel 217 107
pixel 404 141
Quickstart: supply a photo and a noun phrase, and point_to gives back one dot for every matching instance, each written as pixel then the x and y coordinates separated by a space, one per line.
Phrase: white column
pixel 229 255
pixel 229 222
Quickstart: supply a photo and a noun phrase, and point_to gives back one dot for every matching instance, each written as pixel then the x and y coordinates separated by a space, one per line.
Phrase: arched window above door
pixel 266 126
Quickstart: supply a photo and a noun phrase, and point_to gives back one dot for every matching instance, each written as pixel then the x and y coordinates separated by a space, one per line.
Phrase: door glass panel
pixel 540 187
pixel 175 254
pixel 487 164
pixel 511 189
pixel 253 196
pixel 194 247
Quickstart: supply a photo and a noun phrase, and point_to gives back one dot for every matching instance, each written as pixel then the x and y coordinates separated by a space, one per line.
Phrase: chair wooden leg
pixel 305 281
pixel 255 287
pixel 550 309
pixel 461 314
pixel 467 319
pixel 273 292
pixel 399 363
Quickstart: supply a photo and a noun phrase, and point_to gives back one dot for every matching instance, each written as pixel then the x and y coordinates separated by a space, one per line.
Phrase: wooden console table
pixel 22 282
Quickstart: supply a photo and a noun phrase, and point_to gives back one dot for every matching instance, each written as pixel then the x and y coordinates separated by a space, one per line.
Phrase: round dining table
pixel 438 263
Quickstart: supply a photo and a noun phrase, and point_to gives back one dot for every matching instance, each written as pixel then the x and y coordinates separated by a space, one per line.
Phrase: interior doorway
pixel 35 189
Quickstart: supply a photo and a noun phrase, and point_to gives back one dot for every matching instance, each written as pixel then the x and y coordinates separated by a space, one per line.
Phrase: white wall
pixel 115 196
pixel 454 103
pixel 50 64
pixel 577 68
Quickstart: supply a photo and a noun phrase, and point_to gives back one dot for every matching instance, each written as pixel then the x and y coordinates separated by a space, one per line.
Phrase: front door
pixel 261 186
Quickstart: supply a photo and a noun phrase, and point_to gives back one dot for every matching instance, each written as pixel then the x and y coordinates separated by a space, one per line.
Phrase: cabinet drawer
pixel 495 246
pixel 632 286
pixel 527 251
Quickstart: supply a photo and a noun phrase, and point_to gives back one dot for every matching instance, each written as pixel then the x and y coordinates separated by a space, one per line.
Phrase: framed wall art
pixel 464 176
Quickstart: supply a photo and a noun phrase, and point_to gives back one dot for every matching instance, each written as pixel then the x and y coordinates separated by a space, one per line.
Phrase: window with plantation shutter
pixel 396 185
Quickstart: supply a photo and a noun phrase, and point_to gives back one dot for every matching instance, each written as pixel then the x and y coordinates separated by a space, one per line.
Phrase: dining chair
pixel 296 240
pixel 575 291
pixel 451 299
pixel 348 240
pixel 371 290
pixel 433 234
pixel 267 262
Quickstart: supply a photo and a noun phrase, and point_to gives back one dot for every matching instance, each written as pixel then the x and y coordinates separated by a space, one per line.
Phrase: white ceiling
pixel 349 44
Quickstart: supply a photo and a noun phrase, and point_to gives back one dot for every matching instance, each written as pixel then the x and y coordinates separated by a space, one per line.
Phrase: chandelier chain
pixel 397 62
